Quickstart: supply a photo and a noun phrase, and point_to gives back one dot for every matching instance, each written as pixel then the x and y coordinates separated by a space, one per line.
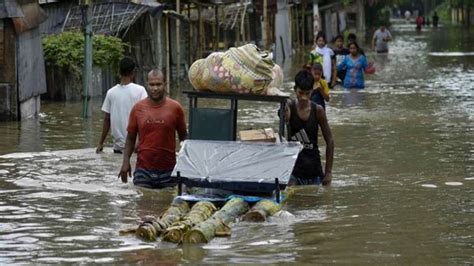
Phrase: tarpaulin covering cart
pixel 240 167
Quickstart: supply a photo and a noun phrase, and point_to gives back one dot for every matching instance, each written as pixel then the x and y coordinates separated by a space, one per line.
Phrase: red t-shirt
pixel 156 126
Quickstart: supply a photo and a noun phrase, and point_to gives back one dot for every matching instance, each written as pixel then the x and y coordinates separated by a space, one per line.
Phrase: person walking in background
pixel 340 52
pixel 380 40
pixel 435 19
pixel 419 22
pixel 155 120
pixel 117 105
pixel 407 15
pixel 325 56
pixel 355 64
pixel 320 93
pixel 303 119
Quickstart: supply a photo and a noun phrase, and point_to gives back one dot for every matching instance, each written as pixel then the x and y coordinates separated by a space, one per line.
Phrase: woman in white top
pixel 325 56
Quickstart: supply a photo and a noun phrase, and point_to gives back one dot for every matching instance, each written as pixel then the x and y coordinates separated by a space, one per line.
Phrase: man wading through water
pixel 303 119
pixel 155 120
pixel 117 105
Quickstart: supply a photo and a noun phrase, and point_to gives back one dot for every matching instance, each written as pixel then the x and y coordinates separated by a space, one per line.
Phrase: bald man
pixel 155 120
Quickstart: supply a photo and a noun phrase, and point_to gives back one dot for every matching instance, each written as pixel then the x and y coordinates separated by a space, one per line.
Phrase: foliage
pixel 444 12
pixel 66 50
pixel 376 15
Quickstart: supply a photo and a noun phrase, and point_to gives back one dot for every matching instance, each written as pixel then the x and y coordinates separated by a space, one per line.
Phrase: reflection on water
pixel 402 189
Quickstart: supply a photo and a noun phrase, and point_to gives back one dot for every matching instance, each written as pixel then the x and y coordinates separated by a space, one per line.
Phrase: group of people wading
pixel 346 66
pixel 132 112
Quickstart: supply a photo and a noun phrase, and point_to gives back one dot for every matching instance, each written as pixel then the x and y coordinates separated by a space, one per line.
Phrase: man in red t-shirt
pixel 155 120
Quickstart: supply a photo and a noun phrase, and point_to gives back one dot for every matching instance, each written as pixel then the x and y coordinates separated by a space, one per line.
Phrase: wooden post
pixel 214 31
pixel 242 22
pixel 190 28
pixel 216 46
pixel 265 24
pixel 87 74
pixel 247 26
pixel 168 66
pixel 178 45
pixel 297 22
pixel 200 34
pixel 360 18
pixel 303 27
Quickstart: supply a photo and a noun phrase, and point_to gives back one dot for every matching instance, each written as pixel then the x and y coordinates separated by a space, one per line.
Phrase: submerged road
pixel 402 191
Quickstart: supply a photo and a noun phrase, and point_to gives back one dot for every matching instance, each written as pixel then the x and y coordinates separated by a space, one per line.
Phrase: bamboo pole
pixel 178 44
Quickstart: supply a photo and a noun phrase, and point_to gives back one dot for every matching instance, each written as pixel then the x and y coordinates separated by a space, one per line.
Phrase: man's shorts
pixel 153 178
pixel 297 181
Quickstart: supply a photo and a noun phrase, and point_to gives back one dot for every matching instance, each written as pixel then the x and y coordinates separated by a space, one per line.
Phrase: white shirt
pixel 118 103
pixel 380 40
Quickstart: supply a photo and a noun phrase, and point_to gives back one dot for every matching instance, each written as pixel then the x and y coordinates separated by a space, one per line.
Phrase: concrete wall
pixel 282 32
pixel 30 65
pixel 30 108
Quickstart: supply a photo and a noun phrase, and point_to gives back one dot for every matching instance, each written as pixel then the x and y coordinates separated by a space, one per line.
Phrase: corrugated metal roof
pixel 109 18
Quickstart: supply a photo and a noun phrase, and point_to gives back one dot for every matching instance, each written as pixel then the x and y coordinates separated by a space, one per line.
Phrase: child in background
pixel 320 93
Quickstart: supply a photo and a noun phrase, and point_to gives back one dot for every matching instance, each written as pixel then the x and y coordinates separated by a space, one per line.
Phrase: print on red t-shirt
pixel 156 125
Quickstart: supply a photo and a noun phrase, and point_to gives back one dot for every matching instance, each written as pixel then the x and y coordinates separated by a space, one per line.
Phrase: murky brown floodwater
pixel 402 190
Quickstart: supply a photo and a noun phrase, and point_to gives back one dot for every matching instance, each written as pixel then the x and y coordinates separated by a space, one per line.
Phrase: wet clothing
pixel 153 178
pixel 118 103
pixel 308 162
pixel 323 56
pixel 340 54
pixel 296 181
pixel 381 45
pixel 156 126
pixel 355 71
pixel 316 95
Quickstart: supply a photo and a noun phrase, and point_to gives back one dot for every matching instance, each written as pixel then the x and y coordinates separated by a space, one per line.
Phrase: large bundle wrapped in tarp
pixel 240 167
pixel 244 69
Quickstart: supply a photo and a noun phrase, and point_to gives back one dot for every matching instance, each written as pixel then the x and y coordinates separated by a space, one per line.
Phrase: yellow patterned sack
pixel 245 69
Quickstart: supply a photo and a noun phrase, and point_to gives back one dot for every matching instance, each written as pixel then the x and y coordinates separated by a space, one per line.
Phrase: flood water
pixel 402 191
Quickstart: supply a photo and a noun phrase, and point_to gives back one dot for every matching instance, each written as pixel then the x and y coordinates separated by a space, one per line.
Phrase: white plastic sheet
pixel 236 166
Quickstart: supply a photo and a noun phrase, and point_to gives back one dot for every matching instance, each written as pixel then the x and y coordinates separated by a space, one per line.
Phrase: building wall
pixel 8 86
pixel 30 65
pixel 282 32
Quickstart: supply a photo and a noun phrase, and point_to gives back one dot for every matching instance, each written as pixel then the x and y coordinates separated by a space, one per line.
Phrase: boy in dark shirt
pixel 303 119
pixel 340 52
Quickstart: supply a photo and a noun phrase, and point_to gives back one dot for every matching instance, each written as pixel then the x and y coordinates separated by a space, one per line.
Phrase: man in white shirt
pixel 117 106
pixel 380 40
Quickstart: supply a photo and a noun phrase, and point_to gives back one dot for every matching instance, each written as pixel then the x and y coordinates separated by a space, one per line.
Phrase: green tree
pixel 66 50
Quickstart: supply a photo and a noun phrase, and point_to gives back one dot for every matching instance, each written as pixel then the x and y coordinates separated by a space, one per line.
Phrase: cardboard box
pixel 256 135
